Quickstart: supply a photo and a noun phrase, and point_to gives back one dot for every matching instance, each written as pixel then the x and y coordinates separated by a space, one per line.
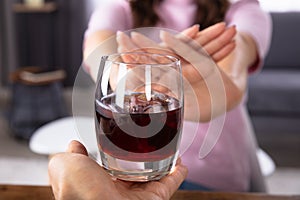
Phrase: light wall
pixel 280 5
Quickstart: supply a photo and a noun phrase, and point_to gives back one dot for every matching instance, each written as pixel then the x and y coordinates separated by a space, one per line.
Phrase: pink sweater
pixel 229 165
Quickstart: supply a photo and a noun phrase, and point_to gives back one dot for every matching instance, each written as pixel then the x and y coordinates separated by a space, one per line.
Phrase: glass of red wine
pixel 139 114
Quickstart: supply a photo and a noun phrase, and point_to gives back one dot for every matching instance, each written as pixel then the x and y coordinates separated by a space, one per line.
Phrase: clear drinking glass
pixel 139 114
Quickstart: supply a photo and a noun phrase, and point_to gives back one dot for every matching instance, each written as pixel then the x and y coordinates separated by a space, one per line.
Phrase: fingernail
pixel 232 27
pixel 196 26
pixel 162 34
pixel 222 24
pixel 119 33
pixel 119 49
pixel 133 34
pixel 119 36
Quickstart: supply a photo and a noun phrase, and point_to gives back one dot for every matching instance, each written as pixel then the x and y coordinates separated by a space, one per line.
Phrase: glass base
pixel 137 171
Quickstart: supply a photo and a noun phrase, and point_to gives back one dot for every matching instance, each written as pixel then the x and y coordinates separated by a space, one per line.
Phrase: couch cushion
pixel 275 92
pixel 284 51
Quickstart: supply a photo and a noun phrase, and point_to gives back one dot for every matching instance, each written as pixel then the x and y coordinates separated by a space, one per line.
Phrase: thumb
pixel 77 147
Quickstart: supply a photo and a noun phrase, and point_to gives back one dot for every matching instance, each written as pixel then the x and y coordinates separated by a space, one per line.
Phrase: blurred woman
pixel 230 164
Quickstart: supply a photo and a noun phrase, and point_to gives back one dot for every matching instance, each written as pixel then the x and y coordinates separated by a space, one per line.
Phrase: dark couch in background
pixel 274 93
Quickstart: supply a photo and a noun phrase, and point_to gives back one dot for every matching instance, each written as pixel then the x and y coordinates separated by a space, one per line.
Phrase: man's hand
pixel 73 175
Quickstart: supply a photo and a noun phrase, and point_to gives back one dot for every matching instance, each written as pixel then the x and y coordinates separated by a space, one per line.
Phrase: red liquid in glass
pixel 151 144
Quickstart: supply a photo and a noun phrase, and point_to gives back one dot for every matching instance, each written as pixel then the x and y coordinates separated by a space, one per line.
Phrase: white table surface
pixel 55 136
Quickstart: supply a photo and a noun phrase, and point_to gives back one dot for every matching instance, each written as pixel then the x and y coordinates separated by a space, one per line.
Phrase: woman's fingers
pixel 125 43
pixel 210 33
pixel 148 45
pixel 188 33
pixel 143 41
pixel 221 41
pixel 225 51
pixel 196 57
pixel 216 40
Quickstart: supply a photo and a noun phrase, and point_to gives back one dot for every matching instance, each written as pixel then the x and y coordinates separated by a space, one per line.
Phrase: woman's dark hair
pixel 209 12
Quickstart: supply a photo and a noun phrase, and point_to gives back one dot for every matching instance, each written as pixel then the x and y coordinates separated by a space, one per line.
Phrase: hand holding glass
pixel 138 114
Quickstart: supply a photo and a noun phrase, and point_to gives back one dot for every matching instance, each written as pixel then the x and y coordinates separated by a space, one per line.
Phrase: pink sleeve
pixel 248 17
pixel 110 15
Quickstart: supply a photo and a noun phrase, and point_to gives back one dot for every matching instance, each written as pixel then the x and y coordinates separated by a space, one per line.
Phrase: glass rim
pixel 173 59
